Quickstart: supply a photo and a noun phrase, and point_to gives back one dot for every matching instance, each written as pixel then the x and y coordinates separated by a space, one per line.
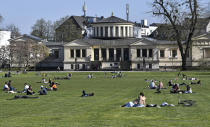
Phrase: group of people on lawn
pixel 174 87
pixel 28 88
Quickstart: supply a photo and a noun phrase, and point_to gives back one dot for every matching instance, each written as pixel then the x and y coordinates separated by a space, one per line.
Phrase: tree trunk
pixel 184 62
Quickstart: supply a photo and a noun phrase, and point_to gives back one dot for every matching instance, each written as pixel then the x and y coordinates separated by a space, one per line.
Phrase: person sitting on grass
pixel 142 100
pixel 50 81
pixel 175 89
pixel 170 83
pixel 189 89
pixel 44 81
pixel 90 76
pixel 43 91
pixel 26 86
pixel 152 85
pixel 159 87
pixel 10 86
pixel 30 91
pixel 6 87
pixel 54 86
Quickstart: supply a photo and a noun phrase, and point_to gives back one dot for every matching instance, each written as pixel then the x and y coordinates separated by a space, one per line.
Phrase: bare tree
pixel 15 32
pixel 179 13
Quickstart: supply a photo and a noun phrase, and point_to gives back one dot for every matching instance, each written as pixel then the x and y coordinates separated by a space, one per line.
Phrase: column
pixel 95 32
pixel 104 31
pixel 115 54
pixel 80 53
pixel 109 31
pixel 147 53
pixel 74 53
pixel 107 54
pixel 119 31
pixel 122 54
pixel 100 58
pixel 140 52
pixel 123 31
pixel 128 29
pixel 113 31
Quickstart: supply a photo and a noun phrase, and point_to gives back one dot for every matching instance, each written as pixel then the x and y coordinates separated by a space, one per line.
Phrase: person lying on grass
pixel 152 85
pixel 196 83
pixel 84 94
pixel 43 91
pixel 22 97
pixel 30 91
pixel 140 102
pixel 26 86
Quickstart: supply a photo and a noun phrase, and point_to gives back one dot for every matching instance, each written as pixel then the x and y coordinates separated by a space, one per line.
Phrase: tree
pixel 182 15
pixel 4 56
pixel 15 32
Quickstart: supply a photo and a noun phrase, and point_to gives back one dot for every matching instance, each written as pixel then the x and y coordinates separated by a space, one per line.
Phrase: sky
pixel 24 13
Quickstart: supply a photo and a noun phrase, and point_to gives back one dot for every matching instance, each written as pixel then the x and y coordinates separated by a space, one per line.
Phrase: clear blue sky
pixel 24 13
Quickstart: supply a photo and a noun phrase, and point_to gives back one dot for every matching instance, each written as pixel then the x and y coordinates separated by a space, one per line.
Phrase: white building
pixel 4 37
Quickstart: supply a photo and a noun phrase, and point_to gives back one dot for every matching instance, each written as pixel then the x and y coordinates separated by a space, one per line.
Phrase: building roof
pixel 26 36
pixel 102 42
pixel 79 20
pixel 113 19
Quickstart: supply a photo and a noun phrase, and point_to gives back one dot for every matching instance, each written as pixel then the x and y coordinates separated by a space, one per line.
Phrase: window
pixel 138 53
pixel 126 31
pixel 106 31
pixel 150 66
pixel 121 31
pixel 96 54
pixel 103 54
pixel 94 31
pixel 174 53
pixel 83 52
pixel 117 32
pixel 77 53
pixel 150 53
pixel 102 32
pixel 138 66
pixel 144 52
pixel 162 53
pixel 72 53
pixel 97 32
pixel 111 54
pixel 72 66
pixel 111 31
pixel 118 55
pixel 56 54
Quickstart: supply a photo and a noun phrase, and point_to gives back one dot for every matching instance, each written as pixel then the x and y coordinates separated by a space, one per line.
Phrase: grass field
pixel 65 107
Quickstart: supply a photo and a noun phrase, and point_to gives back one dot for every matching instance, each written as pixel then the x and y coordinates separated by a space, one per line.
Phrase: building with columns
pixel 113 46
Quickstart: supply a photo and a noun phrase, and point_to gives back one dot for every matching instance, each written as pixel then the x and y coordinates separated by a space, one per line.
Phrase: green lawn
pixel 65 107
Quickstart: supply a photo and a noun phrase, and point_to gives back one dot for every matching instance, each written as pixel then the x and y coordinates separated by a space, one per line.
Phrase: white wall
pixel 4 37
